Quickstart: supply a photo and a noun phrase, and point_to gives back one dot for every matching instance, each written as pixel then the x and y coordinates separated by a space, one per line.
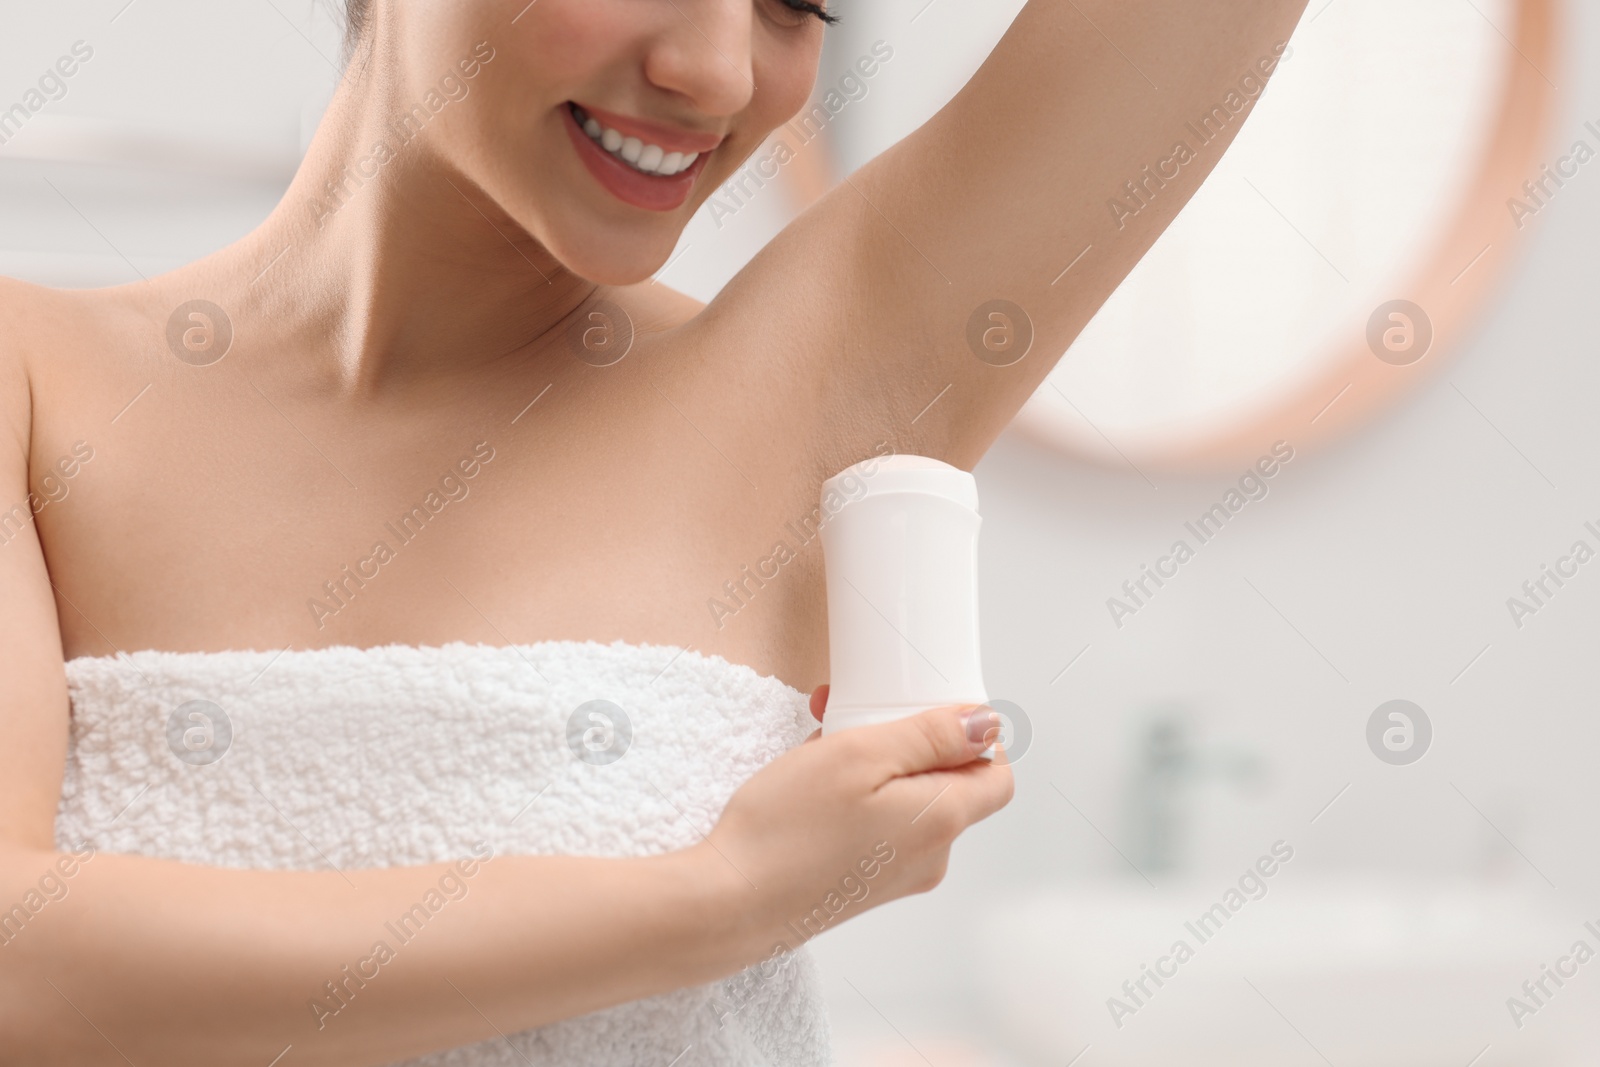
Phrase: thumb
pixel 931 740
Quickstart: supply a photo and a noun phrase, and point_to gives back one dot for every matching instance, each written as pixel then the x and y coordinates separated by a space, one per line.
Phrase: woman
pixel 384 669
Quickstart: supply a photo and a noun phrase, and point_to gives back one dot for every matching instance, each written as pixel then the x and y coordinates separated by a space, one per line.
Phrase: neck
pixel 383 266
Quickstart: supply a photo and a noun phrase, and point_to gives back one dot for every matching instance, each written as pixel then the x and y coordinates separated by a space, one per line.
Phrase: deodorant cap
pixel 908 474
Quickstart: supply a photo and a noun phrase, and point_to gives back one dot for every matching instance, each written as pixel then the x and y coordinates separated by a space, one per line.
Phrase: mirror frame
pixel 1452 287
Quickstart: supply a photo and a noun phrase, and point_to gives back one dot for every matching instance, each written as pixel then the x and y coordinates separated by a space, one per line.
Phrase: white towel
pixel 347 758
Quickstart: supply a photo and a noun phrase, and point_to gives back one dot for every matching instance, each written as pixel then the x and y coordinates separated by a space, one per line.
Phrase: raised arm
pixel 1077 142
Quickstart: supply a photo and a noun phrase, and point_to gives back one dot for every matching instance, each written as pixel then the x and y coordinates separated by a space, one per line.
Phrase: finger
pixel 819 701
pixel 930 740
pixel 975 790
pixel 985 787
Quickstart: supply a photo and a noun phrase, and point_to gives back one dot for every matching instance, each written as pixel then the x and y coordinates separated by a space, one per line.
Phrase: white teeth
pixel 648 158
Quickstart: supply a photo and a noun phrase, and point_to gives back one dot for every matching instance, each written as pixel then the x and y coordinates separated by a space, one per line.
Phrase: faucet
pixel 1168 765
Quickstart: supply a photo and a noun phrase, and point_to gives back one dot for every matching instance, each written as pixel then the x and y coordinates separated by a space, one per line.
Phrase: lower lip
pixel 647 191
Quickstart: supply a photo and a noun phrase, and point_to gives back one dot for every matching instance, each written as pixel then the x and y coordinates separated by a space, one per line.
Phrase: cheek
pixel 563 49
pixel 785 84
pixel 574 42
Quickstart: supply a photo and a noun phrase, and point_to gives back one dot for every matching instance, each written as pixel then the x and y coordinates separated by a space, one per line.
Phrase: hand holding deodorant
pixel 901 557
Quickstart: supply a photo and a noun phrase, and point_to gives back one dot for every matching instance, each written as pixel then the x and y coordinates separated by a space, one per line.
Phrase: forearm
pixel 164 962
pixel 1097 96
pixel 1069 134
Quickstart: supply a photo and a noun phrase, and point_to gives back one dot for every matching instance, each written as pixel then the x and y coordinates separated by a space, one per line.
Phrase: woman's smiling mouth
pixel 643 156
pixel 643 164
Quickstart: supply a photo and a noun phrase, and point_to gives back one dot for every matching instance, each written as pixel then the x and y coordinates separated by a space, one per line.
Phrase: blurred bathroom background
pixel 1432 863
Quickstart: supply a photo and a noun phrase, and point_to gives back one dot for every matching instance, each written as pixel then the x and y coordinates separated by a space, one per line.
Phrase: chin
pixel 615 256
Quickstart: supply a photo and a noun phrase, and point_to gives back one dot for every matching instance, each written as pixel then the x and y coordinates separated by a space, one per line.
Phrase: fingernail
pixel 980 726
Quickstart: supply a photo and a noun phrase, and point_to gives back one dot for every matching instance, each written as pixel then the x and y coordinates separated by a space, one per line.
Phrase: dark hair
pixel 356 13
pixel 357 21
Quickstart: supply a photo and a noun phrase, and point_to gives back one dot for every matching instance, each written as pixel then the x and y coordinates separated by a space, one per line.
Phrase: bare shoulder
pixel 36 320
pixel 25 314
pixel 49 337
pixel 69 352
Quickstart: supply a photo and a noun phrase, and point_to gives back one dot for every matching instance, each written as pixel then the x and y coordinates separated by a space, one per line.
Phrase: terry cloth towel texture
pixel 399 755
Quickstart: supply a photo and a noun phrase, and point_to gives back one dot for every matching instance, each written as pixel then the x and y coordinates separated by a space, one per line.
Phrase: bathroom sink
pixel 1380 973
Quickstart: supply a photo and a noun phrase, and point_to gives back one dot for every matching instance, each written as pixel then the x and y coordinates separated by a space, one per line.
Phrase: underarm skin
pixel 1082 105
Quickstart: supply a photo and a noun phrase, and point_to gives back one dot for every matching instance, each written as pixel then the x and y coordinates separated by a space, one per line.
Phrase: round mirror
pixel 1337 250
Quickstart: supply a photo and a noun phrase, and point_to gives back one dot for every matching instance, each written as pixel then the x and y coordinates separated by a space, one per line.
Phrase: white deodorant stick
pixel 900 547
